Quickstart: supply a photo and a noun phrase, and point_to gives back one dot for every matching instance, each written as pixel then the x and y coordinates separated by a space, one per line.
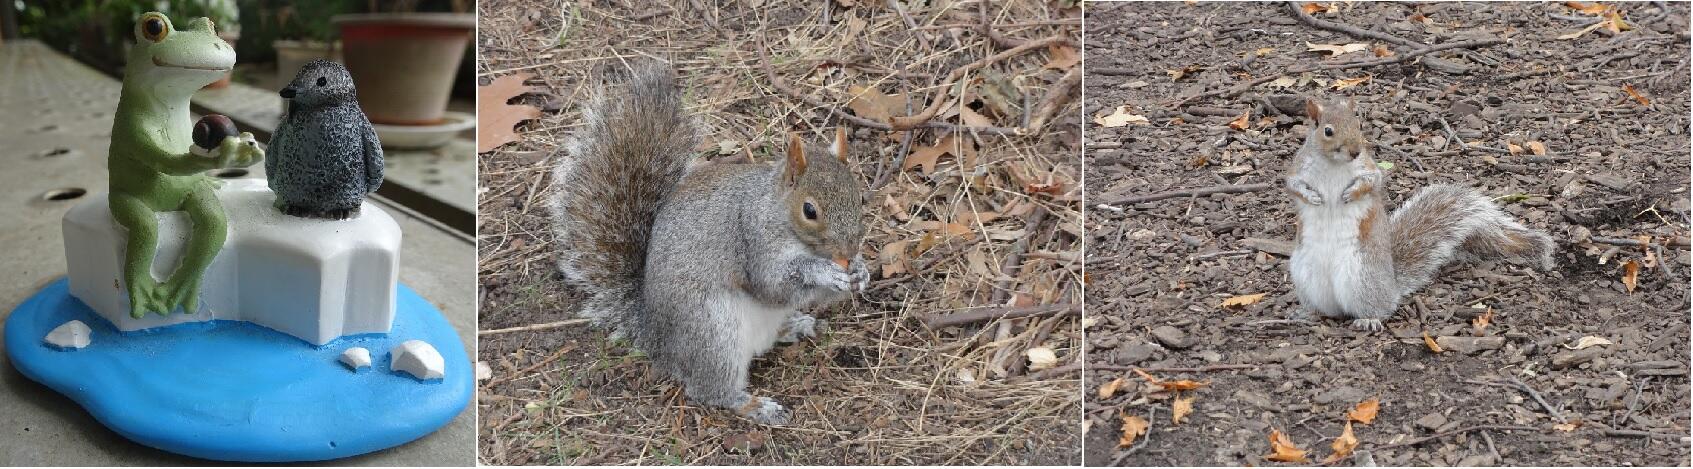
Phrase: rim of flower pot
pixel 452 20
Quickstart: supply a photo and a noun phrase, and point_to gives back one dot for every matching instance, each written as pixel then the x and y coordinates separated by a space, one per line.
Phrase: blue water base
pixel 237 391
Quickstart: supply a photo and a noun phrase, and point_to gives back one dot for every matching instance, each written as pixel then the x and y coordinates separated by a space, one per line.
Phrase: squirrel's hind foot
pixel 1371 325
pixel 765 411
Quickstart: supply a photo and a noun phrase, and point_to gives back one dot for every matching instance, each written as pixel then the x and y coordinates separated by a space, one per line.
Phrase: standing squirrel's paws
pixel 1371 325
pixel 239 152
pixel 766 411
pixel 800 326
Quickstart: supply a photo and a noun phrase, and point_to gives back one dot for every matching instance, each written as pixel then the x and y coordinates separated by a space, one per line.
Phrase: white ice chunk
pixel 419 359
pixel 70 335
pixel 355 358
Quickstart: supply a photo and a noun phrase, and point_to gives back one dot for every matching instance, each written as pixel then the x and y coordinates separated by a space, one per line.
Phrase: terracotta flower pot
pixel 404 63
pixel 291 55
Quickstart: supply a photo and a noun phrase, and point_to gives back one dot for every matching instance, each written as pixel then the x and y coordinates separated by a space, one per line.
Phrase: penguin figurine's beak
pixel 287 93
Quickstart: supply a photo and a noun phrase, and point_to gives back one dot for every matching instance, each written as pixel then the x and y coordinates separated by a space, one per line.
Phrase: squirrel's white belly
pixel 1327 262
pixel 760 323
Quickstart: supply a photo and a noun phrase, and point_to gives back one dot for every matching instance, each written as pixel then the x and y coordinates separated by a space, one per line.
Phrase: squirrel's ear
pixel 796 160
pixel 839 148
pixel 1312 109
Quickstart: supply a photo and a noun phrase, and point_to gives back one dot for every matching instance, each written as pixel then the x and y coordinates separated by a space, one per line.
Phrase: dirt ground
pixel 952 236
pixel 1612 168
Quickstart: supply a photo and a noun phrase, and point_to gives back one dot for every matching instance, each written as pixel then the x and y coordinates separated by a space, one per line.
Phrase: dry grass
pixel 881 387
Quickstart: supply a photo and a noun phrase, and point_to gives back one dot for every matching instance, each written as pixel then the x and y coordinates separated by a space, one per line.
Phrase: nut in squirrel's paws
pixel 829 275
pixel 800 326
pixel 764 410
pixel 860 275
pixel 1371 325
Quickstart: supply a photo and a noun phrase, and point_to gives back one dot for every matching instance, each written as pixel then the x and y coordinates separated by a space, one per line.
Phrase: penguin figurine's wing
pixel 372 155
pixel 278 142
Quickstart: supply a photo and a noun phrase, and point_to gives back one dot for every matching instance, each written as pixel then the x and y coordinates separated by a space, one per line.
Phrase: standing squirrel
pixel 1346 263
pixel 702 266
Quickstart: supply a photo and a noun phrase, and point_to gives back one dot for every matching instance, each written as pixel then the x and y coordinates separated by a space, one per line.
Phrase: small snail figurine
pixel 211 130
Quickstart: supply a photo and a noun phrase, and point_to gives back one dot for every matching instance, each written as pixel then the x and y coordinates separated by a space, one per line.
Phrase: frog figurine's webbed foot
pixel 144 296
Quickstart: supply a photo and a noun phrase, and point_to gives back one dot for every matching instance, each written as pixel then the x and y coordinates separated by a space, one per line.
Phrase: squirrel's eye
pixel 1328 131
pixel 810 211
pixel 153 28
pixel 321 81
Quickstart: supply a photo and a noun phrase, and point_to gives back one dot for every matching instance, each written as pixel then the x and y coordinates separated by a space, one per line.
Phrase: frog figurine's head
pixel 176 61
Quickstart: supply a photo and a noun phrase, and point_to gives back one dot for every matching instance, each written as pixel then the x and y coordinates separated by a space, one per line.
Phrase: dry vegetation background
pixel 965 349
pixel 1574 117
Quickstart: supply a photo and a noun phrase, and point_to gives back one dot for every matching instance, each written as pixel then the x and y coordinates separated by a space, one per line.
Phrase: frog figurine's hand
pixel 239 151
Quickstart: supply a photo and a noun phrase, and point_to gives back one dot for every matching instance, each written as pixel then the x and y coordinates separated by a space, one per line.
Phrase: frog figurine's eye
pixel 154 27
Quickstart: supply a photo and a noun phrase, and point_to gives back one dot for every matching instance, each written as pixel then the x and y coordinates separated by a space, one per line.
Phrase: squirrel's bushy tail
pixel 632 149
pixel 1442 223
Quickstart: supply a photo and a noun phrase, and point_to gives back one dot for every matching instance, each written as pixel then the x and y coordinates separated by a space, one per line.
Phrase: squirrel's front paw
pixel 766 411
pixel 831 276
pixel 860 274
pixel 239 151
pixel 799 326
pixel 1371 325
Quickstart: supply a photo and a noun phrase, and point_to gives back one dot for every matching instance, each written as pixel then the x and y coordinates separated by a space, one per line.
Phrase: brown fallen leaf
pixel 1315 8
pixel 1365 412
pixel 1120 117
pixel 1242 122
pixel 1513 148
pixel 1063 57
pixel 871 103
pixel 1537 148
pixel 1594 9
pixel 1350 82
pixel 1282 449
pixel 1180 408
pixel 1569 426
pixel 1243 300
pixel 926 158
pixel 1613 22
pixel 1177 73
pixel 1343 445
pixel 1381 50
pixel 1180 385
pixel 1633 93
pixel 1133 427
pixel 496 121
pixel 1429 341
pixel 1630 274
pixel 1110 389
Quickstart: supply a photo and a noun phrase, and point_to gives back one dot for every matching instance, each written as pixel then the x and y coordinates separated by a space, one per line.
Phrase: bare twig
pixel 1242 87
pixel 945 86
pixel 1172 369
pixel 1447 433
pixel 534 327
pixel 785 88
pixel 1348 29
pixel 937 321
pixel 1204 191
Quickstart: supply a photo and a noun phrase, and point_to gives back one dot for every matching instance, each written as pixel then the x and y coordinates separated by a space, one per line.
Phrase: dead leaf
pixel 1041 358
pixel 1133 427
pixel 1120 117
pixel 1589 341
pixel 1180 408
pixel 1483 320
pixel 1569 426
pixel 1537 148
pixel 1633 93
pixel 1513 148
pixel 1182 385
pixel 1177 74
pixel 1243 300
pixel 1063 57
pixel 496 121
pixel 892 258
pixel 1594 9
pixel 871 103
pixel 1110 389
pixel 1336 49
pixel 1240 123
pixel 1263 51
pixel 1613 22
pixel 1315 8
pixel 1365 412
pixel 1283 450
pixel 1429 341
pixel 1350 82
pixel 1381 50
pixel 1630 274
pixel 1343 445
pixel 926 158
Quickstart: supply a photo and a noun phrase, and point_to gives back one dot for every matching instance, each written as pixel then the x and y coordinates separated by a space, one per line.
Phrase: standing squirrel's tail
pixel 1443 223
pixel 633 148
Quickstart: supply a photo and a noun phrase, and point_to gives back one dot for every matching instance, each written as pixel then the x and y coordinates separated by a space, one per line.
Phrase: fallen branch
pixel 1674 242
pixel 1229 189
pixel 1241 88
pixel 1050 373
pixel 1525 388
pixel 1348 29
pixel 1059 95
pixel 1645 434
pixel 937 321
pixel 1453 432
pixel 945 86
pixel 534 327
pixel 1173 369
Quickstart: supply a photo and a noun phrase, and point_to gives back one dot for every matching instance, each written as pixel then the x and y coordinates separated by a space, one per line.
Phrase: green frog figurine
pixel 152 167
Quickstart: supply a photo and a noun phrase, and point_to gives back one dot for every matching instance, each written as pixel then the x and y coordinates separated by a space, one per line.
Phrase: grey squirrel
pixel 702 266
pixel 1348 260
